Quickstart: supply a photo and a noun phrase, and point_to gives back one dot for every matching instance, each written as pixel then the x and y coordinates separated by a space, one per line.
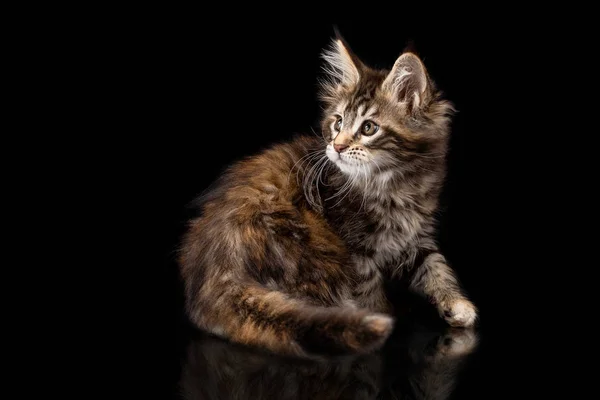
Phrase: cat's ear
pixel 341 65
pixel 407 82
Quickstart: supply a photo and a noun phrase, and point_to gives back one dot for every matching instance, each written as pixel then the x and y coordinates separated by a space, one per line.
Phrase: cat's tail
pixel 256 316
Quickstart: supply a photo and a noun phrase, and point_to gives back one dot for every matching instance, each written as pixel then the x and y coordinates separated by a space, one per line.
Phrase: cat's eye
pixel 338 124
pixel 369 128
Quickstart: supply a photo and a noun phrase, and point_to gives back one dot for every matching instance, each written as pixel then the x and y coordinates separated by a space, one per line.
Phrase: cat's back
pixel 269 176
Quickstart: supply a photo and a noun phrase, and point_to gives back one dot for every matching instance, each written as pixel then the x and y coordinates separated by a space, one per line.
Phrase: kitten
pixel 293 245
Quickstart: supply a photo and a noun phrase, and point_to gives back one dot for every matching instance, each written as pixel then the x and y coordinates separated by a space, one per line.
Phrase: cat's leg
pixel 438 282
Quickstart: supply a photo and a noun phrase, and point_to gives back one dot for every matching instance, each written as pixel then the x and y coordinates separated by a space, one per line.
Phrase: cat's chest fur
pixel 381 228
pixel 394 229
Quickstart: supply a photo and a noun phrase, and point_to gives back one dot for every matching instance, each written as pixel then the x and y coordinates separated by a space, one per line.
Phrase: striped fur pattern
pixel 293 245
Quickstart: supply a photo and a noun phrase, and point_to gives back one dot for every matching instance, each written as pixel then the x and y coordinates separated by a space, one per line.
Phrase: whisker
pixel 341 190
pixel 319 136
pixel 351 182
pixel 320 174
pixel 308 183
pixel 326 167
pixel 312 153
pixel 374 161
pixel 364 199
pixel 306 159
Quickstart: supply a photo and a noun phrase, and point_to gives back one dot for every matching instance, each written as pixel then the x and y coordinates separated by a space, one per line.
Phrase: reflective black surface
pixel 418 362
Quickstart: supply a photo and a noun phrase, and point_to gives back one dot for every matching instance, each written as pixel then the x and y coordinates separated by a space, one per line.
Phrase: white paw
pixel 459 313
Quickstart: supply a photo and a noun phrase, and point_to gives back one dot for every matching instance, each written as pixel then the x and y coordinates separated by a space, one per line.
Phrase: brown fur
pixel 273 243
pixel 292 246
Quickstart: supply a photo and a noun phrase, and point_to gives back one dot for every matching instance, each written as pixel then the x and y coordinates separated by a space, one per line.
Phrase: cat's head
pixel 378 120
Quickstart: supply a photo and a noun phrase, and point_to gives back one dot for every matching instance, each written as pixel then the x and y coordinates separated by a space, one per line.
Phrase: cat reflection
pixel 421 365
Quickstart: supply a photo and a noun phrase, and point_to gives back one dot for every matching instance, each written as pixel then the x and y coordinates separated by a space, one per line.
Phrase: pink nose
pixel 340 147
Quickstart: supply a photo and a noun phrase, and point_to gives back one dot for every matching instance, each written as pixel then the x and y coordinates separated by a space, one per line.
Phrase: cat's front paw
pixel 459 313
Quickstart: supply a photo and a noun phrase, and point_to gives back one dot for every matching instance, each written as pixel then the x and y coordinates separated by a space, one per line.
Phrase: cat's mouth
pixel 350 161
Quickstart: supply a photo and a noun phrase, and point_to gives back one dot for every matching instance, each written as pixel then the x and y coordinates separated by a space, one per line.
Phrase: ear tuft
pixel 341 65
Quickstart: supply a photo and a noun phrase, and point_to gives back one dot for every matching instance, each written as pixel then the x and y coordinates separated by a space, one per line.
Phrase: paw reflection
pixel 457 343
pixel 418 363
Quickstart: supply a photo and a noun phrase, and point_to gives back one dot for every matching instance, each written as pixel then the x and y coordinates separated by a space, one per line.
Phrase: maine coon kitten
pixel 292 246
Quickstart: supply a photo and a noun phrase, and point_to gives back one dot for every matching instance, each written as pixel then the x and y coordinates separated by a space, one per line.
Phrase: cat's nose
pixel 340 147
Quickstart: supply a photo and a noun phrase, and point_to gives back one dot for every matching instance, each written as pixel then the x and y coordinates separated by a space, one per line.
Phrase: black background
pixel 195 89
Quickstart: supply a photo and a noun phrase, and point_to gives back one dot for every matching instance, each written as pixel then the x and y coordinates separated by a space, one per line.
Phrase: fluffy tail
pixel 256 316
